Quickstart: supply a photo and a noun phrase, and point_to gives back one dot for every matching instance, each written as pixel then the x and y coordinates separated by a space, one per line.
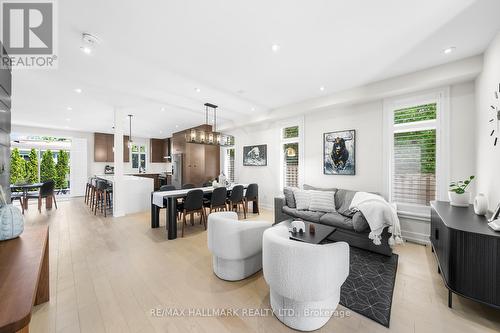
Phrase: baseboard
pixel 415 237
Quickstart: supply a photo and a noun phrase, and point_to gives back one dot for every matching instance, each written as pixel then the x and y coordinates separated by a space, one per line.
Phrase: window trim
pixel 441 98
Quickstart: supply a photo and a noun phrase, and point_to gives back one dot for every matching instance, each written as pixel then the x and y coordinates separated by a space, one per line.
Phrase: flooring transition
pixel 108 275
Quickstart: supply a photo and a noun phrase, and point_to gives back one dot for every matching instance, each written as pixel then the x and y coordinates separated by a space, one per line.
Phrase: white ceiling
pixel 155 54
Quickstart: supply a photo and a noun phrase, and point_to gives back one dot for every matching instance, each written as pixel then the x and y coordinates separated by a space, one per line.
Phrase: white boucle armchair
pixel 304 279
pixel 236 246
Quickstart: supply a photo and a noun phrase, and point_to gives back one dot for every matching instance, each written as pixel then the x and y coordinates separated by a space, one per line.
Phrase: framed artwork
pixel 339 153
pixel 255 155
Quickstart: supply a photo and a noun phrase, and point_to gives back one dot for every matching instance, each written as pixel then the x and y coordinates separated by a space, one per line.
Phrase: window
pixel 417 162
pixel 290 156
pixel 229 164
pixel 138 156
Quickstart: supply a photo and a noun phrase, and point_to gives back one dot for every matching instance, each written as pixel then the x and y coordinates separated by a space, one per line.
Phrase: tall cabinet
pixel 200 162
pixel 5 116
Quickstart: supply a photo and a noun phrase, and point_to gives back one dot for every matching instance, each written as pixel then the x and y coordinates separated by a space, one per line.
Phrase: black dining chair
pixel 218 200
pixel 46 192
pixel 192 204
pixel 188 186
pixel 18 196
pixel 167 188
pixel 252 195
pixel 236 199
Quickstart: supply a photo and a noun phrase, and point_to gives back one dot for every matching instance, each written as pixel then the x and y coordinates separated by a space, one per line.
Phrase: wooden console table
pixel 24 277
pixel 468 253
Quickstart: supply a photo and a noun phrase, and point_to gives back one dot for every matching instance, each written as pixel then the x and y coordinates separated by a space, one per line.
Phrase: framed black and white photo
pixel 255 155
pixel 339 153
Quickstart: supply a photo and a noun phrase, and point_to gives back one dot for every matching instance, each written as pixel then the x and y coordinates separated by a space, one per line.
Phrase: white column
pixel 118 184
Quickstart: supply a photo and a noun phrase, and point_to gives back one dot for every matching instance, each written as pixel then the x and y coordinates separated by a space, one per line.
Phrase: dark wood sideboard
pixel 468 253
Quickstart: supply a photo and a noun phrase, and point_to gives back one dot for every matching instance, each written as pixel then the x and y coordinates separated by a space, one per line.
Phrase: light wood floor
pixel 108 274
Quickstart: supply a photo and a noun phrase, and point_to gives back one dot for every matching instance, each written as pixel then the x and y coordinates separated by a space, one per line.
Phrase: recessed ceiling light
pixel 68 119
pixel 176 126
pixel 253 109
pixel 86 49
pixel 449 50
pixel 69 108
pixel 78 90
pixel 322 88
pixel 161 131
pixel 162 108
pixel 275 47
pixel 197 89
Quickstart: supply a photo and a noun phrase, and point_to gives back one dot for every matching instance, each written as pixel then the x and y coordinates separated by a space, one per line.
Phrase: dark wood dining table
pixel 26 188
pixel 168 199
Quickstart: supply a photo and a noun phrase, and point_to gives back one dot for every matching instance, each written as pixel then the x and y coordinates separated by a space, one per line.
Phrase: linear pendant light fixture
pixel 213 137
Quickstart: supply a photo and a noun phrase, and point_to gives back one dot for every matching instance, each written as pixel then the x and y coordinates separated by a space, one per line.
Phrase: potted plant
pixel 457 193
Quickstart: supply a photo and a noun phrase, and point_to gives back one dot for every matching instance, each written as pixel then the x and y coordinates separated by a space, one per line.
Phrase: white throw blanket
pixel 379 214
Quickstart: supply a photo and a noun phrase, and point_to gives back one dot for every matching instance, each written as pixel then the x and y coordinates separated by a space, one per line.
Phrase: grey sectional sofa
pixel 351 227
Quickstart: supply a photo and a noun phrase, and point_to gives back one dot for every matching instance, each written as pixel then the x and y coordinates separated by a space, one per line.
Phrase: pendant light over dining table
pixel 209 137
pixel 130 130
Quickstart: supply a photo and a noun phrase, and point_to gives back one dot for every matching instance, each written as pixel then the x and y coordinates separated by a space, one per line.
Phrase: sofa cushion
pixel 313 188
pixel 322 201
pixel 337 220
pixel 343 199
pixel 289 196
pixel 302 199
pixel 359 222
pixel 303 214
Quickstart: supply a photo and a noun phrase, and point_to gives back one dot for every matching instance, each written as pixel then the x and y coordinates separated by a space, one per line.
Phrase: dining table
pixel 26 188
pixel 168 199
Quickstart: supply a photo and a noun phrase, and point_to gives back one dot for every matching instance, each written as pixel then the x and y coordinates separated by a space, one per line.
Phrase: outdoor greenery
pixel 62 169
pixel 416 113
pixel 17 167
pixel 424 142
pixel 47 167
pixel 32 167
pixel 291 132
pixel 460 186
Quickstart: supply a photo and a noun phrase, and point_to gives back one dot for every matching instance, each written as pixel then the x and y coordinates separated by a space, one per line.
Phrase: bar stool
pixel 104 192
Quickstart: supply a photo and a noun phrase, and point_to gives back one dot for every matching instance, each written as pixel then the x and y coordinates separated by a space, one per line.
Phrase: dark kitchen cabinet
pixel 103 148
pixel 160 150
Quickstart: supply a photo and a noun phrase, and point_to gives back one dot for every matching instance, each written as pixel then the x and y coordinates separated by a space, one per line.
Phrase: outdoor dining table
pixel 26 188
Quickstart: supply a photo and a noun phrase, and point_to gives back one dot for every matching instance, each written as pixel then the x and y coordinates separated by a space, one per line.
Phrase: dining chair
pixel 46 192
pixel 252 195
pixel 167 188
pixel 192 204
pixel 236 199
pixel 18 196
pixel 218 200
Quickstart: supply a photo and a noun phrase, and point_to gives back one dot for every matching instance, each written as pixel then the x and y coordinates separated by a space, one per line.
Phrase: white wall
pixel 487 156
pixel 367 120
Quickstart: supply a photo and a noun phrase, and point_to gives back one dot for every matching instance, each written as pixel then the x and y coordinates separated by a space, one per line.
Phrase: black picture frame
pixel 342 167
pixel 255 155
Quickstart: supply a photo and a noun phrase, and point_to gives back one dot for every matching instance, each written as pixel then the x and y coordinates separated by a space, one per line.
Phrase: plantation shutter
pixel 414 155
pixel 229 164
pixel 291 164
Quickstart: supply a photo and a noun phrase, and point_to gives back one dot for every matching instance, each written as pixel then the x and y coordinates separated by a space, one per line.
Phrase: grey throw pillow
pixel 343 199
pixel 313 188
pixel 289 197
pixel 359 222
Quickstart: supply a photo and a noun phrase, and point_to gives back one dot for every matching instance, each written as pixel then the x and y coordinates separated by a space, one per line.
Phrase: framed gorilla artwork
pixel 255 155
pixel 338 153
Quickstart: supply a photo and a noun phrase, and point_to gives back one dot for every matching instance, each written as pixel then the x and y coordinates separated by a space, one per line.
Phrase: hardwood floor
pixel 108 274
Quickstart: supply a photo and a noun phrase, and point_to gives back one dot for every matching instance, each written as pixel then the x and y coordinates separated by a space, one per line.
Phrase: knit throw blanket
pixel 379 214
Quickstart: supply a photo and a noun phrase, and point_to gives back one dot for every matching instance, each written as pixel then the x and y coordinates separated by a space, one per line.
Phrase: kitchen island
pixel 136 192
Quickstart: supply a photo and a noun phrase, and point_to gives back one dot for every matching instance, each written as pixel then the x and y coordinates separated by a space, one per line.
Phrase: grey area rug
pixel 369 287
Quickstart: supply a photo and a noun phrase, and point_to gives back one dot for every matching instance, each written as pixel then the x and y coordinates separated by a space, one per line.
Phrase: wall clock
pixel 495 120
